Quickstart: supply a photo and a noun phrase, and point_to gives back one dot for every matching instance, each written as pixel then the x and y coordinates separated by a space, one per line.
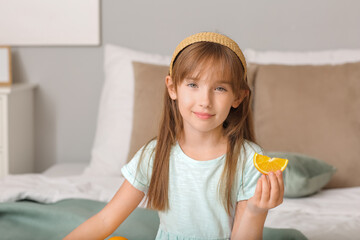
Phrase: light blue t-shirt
pixel 196 211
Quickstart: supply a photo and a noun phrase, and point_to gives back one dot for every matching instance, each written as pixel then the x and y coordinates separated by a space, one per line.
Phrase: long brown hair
pixel 236 128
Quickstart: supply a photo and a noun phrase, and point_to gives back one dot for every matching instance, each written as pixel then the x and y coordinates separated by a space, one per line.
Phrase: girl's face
pixel 204 100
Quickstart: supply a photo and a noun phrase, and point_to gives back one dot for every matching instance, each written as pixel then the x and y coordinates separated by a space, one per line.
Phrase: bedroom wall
pixel 70 78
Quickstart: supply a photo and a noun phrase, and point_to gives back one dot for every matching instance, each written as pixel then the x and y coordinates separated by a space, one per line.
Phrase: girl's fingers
pixel 269 191
pixel 265 196
pixel 275 189
pixel 280 178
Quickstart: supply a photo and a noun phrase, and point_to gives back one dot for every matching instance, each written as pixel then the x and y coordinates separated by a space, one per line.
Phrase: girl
pixel 198 173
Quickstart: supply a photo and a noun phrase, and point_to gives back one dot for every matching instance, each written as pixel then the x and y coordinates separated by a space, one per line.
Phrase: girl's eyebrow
pixel 223 82
pixel 217 82
pixel 192 78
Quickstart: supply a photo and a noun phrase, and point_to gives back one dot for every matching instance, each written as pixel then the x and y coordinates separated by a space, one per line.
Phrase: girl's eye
pixel 192 85
pixel 220 89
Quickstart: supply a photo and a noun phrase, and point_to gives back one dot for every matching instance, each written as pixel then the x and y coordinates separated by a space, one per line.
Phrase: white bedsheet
pixel 47 189
pixel 330 214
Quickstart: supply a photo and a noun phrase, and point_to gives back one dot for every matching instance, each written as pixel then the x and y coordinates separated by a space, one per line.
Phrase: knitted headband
pixel 210 37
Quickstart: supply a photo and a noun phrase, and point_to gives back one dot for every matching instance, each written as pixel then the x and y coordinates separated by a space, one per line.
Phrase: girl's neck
pixel 203 147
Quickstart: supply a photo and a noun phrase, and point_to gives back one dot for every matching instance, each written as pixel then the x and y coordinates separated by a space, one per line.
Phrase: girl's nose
pixel 205 99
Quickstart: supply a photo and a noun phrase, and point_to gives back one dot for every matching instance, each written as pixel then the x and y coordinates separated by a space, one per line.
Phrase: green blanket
pixel 31 220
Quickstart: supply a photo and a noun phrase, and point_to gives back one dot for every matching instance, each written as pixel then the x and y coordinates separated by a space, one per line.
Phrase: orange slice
pixel 118 238
pixel 266 164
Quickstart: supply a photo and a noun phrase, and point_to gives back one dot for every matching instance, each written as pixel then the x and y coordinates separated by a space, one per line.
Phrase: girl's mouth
pixel 203 115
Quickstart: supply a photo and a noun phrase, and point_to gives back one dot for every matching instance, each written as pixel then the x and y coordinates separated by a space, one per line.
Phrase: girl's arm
pixel 251 214
pixel 111 216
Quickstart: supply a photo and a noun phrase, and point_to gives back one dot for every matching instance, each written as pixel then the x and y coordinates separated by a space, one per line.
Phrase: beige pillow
pixel 251 74
pixel 148 100
pixel 314 110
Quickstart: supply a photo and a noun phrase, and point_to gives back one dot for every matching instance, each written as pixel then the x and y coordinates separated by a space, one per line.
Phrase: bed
pixel 322 183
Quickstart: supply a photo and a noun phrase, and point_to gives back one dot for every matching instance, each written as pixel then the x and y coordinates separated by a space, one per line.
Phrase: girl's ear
pixel 238 101
pixel 170 87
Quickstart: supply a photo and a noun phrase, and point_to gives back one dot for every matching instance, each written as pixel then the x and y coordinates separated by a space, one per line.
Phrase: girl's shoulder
pixel 145 152
pixel 150 146
pixel 251 148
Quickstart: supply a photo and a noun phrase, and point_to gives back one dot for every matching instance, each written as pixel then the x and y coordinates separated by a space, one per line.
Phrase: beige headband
pixel 210 37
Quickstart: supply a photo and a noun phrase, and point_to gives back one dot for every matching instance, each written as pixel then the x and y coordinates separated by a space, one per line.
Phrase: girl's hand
pixel 269 193
pixel 251 214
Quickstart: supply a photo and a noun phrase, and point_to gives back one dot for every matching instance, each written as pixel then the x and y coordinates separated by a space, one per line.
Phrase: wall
pixel 70 78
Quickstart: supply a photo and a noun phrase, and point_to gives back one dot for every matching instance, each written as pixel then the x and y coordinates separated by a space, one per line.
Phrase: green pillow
pixel 283 234
pixel 304 175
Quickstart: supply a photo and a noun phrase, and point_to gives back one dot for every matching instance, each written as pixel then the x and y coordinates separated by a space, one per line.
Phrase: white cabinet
pixel 17 129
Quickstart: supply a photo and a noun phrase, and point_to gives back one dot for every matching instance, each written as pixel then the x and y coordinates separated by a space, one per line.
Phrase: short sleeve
pixel 247 184
pixel 140 176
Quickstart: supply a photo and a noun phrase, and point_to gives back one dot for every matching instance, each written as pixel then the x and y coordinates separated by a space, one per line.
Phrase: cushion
pixel 251 74
pixel 312 110
pixel 282 234
pixel 114 125
pixel 304 175
pixel 148 102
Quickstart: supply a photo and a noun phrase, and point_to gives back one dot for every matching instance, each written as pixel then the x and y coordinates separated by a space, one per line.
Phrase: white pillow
pixel 331 57
pixel 114 123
